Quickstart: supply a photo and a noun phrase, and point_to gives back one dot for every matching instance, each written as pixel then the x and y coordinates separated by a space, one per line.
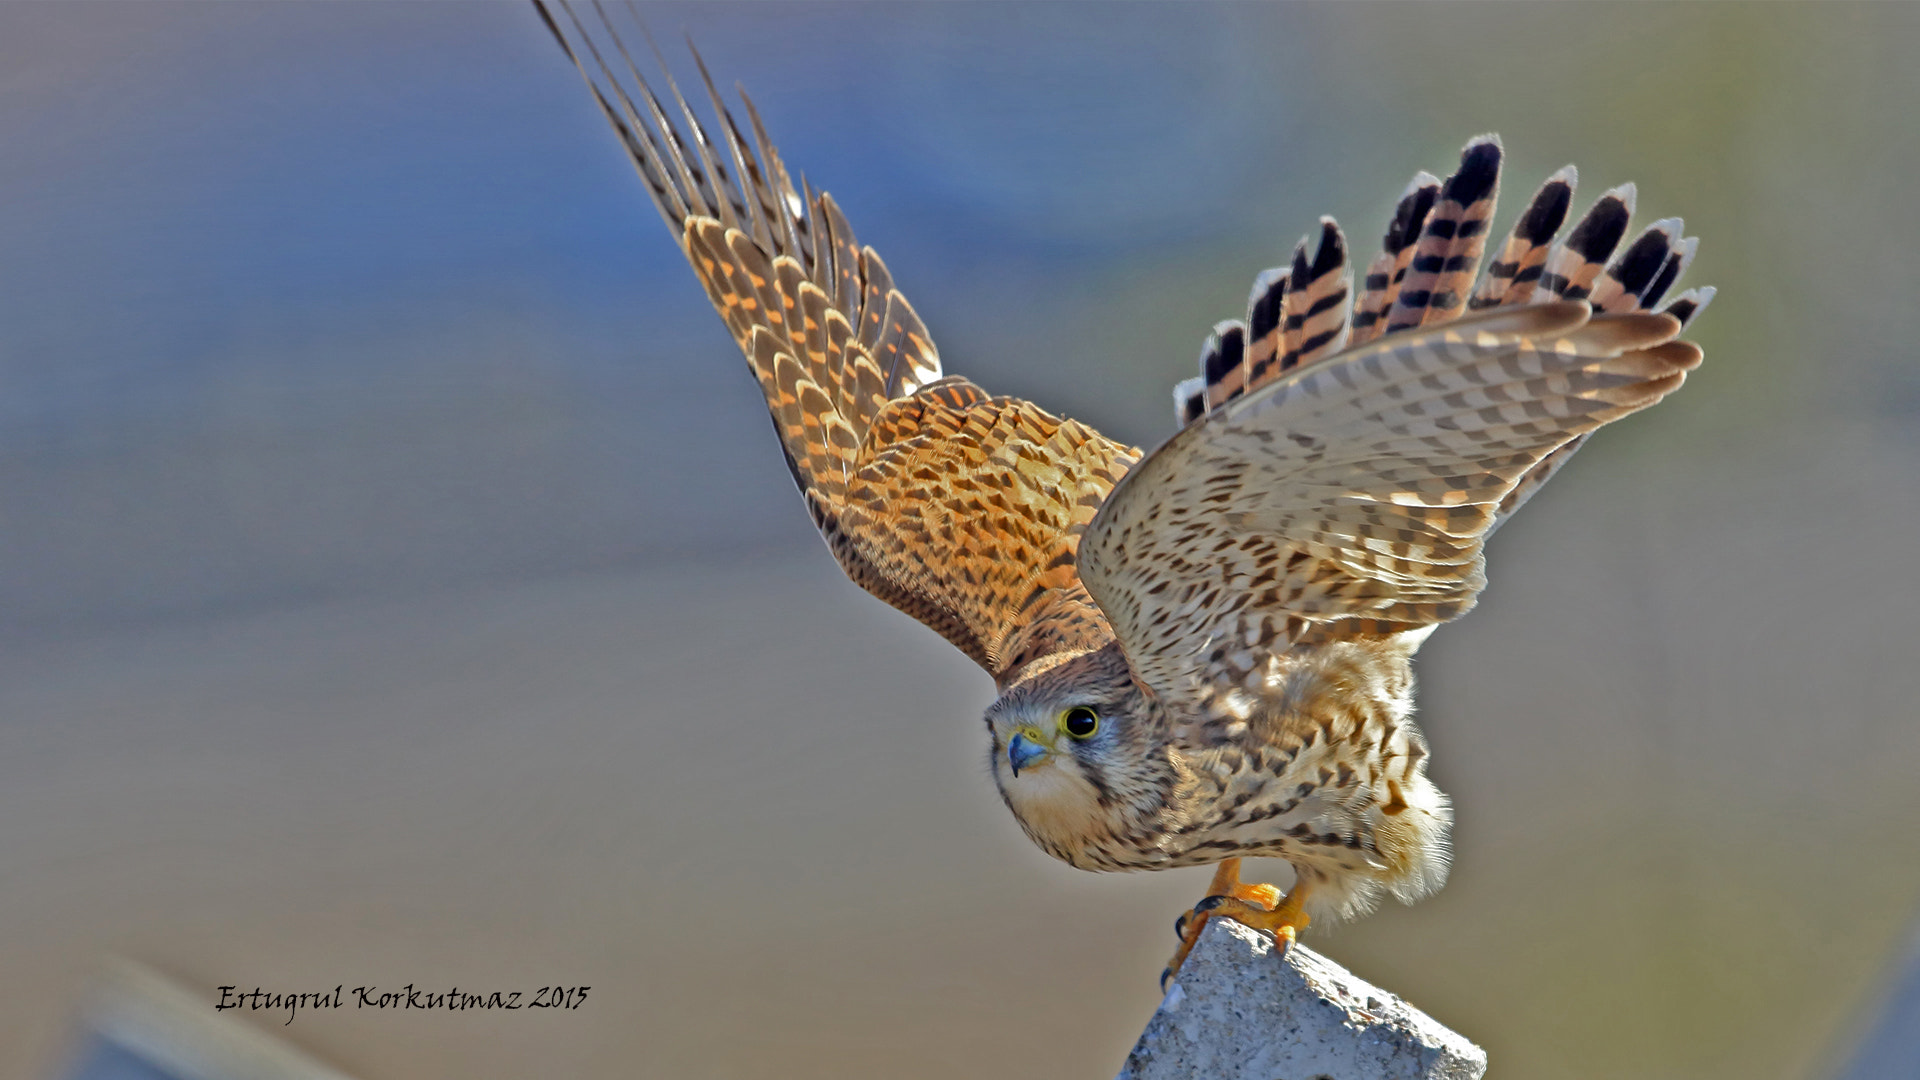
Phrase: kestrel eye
pixel 1080 722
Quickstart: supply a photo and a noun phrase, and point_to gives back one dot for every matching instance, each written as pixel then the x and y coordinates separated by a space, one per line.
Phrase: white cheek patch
pixel 1055 798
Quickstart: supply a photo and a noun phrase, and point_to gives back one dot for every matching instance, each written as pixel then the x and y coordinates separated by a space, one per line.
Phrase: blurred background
pixel 400 583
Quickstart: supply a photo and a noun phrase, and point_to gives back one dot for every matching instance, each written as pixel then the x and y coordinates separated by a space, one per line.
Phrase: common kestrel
pixel 1202 652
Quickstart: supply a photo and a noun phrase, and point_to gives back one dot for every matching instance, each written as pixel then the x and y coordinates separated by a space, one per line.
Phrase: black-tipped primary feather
pixel 1575 264
pixel 1317 300
pixel 1677 262
pixel 1688 305
pixel 724 197
pixel 1189 400
pixel 1390 266
pixel 701 188
pixel 1221 363
pixel 1448 253
pixel 1619 288
pixel 1266 307
pixel 1514 271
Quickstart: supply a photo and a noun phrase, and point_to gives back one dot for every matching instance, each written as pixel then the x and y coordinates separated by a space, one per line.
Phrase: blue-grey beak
pixel 1022 752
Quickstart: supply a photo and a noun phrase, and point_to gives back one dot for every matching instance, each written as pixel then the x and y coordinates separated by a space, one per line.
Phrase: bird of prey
pixel 1202 652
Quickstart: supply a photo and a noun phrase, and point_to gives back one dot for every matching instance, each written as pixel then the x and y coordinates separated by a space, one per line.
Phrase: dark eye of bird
pixel 1080 721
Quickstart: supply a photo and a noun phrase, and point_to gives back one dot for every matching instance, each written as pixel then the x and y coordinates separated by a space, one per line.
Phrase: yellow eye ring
pixel 1080 722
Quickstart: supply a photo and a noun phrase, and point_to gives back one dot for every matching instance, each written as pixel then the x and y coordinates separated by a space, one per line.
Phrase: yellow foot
pixel 1264 897
pixel 1259 906
pixel 1283 921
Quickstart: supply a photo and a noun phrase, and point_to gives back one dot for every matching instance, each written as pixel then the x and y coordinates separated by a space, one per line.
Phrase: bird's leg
pixel 1228 896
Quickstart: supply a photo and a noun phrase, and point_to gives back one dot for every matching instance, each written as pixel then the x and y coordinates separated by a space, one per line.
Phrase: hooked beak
pixel 1022 752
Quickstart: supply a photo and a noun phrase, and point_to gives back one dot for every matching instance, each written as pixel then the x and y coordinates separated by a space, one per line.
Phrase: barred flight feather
pixel 1390 266
pixel 1678 259
pixel 1295 314
pixel 1573 265
pixel 1396 458
pixel 1189 400
pixel 1512 274
pixel 1266 318
pixel 775 261
pixel 1223 363
pixel 1688 305
pixel 1316 301
pixel 1619 287
pixel 1430 253
pixel 1448 253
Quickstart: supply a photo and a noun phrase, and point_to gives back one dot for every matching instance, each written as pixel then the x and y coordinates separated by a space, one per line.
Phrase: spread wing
pixel 961 509
pixel 1352 497
pixel 1317 494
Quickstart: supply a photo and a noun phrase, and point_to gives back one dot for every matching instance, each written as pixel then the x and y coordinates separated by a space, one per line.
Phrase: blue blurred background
pixel 399 581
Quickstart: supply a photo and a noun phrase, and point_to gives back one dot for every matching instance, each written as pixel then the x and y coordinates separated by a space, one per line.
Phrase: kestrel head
pixel 1077 755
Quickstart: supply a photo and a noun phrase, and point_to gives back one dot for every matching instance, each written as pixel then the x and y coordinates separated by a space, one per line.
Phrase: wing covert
pixel 967 513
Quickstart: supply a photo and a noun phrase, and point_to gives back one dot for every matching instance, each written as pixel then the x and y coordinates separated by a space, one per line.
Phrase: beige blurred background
pixel 399 581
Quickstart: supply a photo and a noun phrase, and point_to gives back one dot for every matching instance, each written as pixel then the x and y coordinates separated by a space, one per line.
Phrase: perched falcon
pixel 1202 652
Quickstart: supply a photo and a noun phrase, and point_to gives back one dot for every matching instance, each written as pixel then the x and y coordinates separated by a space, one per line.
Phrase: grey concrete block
pixel 1243 1009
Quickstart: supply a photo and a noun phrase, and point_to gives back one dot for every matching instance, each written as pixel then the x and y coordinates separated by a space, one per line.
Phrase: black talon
pixel 1166 973
pixel 1180 925
pixel 1210 903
